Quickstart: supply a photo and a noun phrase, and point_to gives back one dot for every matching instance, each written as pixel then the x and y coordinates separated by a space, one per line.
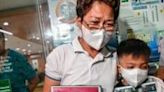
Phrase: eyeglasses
pixel 95 25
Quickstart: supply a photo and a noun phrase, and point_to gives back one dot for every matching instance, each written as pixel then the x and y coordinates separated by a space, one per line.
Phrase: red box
pixel 75 89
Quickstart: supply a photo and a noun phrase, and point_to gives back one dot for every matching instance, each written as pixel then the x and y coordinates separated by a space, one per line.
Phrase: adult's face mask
pixel 134 77
pixel 97 39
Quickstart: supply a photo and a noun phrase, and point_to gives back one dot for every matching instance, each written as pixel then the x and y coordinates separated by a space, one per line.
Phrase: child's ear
pixel 119 68
pixel 119 71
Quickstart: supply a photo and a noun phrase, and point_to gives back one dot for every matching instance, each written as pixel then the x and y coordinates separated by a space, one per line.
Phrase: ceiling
pixel 11 4
pixel 22 46
pixel 22 17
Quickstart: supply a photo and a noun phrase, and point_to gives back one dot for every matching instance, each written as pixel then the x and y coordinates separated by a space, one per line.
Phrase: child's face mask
pixel 134 77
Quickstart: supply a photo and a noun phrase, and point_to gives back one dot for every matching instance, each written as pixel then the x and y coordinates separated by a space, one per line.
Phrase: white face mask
pixel 134 77
pixel 97 39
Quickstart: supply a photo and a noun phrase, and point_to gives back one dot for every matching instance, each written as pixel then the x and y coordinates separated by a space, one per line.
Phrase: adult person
pixel 160 72
pixel 87 60
pixel 133 57
pixel 15 68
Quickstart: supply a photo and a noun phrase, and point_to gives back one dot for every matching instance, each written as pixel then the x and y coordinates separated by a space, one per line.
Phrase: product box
pixel 75 89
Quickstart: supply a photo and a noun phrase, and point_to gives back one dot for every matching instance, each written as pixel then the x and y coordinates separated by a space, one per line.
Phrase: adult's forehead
pixel 99 10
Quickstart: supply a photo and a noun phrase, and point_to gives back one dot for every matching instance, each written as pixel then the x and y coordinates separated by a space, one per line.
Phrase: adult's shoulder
pixel 61 48
pixel 159 83
pixel 156 79
pixel 60 52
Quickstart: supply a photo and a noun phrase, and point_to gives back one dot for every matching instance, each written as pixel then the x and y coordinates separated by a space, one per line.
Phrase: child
pixel 133 58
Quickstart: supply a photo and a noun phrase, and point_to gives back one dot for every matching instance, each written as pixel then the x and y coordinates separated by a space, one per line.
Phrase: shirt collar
pixel 107 51
pixel 77 46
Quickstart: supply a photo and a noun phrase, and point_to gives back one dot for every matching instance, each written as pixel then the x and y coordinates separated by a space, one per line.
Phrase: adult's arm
pixel 53 70
pixel 48 82
pixel 160 72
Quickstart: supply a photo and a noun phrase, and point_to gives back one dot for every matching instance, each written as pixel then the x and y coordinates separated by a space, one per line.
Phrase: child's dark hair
pixel 135 47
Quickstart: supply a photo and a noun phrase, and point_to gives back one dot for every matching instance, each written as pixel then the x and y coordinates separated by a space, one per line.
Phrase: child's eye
pixel 144 67
pixel 130 67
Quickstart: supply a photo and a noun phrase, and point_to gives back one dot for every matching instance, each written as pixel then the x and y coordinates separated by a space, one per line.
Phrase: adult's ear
pixel 78 22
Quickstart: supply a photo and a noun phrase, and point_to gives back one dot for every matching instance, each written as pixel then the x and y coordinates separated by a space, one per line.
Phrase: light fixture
pixel 49 33
pixel 23 50
pixel 17 49
pixel 5 23
pixel 37 38
pixel 28 45
pixel 49 16
pixel 6 32
pixel 6 39
pixel 29 51
pixel 47 42
pixel 33 36
pixel 40 6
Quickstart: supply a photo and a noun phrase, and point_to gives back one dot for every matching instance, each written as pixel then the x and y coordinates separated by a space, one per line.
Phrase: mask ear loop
pixel 120 78
pixel 78 24
pixel 80 33
pixel 82 28
pixel 79 30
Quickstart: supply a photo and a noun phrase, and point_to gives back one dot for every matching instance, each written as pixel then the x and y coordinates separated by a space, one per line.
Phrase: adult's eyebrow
pixel 110 20
pixel 93 21
pixel 95 17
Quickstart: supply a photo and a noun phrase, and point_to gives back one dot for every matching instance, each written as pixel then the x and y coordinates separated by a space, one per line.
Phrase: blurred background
pixel 35 27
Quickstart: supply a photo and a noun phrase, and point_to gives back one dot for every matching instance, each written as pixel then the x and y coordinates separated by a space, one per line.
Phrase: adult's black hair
pixel 83 6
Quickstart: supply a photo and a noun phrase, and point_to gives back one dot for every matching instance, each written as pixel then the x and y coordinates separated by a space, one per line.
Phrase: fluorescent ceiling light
pixel 28 45
pixel 5 23
pixel 17 49
pixel 24 50
pixel 6 32
pixel 6 39
pixel 37 38
pixel 29 51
